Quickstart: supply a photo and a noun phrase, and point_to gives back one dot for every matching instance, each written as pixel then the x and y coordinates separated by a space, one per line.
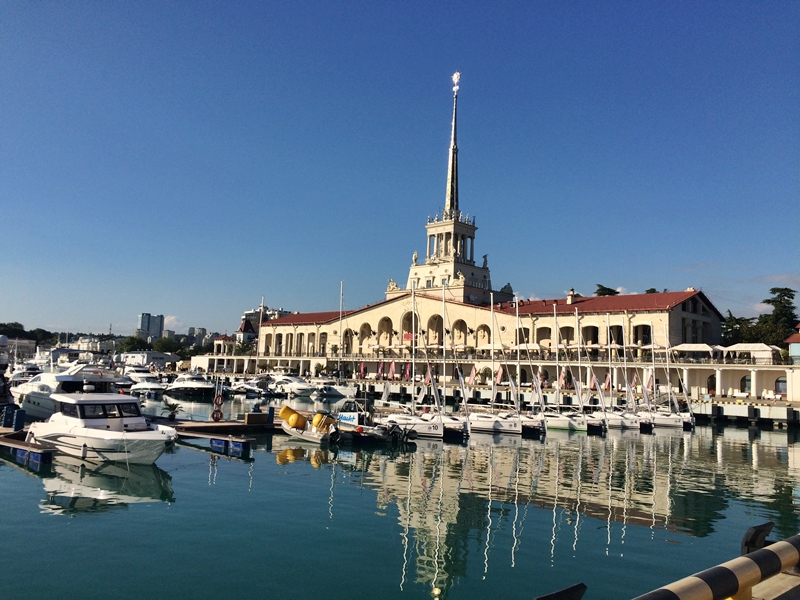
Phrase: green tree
pixel 605 291
pixel 132 344
pixel 784 312
pixel 736 330
pixel 166 345
pixel 243 348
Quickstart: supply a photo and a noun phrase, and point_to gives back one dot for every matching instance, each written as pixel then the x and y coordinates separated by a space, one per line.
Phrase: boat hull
pixel 489 423
pixel 135 447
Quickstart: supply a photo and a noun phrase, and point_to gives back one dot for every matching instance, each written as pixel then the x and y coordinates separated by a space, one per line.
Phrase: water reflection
pixel 449 498
pixel 73 486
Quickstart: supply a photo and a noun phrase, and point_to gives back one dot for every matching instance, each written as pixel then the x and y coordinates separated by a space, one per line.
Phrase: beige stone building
pixel 449 316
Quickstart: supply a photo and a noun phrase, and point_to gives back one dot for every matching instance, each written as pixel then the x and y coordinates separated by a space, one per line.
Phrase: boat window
pixel 70 410
pixel 92 411
pixel 130 409
pixel 71 387
pixel 112 411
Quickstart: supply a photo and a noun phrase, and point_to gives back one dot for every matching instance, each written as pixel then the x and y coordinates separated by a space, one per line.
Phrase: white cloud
pixel 622 290
pixel 173 323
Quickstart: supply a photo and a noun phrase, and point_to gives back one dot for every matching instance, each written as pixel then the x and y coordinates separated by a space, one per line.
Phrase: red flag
pixel 561 378
pixel 650 382
pixel 380 369
pixel 607 383
pixel 391 370
pixel 593 385
pixel 499 377
pixel 408 371
pixel 428 376
pixel 363 370
pixel 635 380
pixel 472 376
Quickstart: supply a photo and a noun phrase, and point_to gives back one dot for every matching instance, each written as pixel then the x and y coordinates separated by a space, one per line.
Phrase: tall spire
pixel 451 197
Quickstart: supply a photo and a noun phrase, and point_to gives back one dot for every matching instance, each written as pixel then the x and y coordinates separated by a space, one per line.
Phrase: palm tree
pixel 243 348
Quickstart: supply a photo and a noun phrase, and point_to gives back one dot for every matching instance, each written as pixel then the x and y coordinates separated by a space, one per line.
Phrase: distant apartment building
pixel 150 326
pixel 168 333
pixel 191 331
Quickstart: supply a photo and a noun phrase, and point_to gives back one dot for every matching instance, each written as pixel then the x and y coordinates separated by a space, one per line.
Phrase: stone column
pixel 754 392
pixel 718 382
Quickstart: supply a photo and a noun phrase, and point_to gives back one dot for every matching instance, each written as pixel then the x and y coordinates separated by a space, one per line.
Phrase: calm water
pixel 495 517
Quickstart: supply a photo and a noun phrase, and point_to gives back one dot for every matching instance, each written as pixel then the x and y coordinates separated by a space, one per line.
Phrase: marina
pixel 495 515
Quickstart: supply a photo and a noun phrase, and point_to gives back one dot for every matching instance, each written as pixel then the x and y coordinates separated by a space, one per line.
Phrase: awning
pixel 748 348
pixel 530 347
pixel 693 348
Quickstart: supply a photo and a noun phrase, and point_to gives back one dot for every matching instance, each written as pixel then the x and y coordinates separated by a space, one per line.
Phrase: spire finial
pixel 451 197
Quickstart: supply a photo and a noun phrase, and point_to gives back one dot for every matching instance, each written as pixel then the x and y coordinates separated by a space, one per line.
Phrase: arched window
pixel 744 384
pixel 780 385
pixel 711 384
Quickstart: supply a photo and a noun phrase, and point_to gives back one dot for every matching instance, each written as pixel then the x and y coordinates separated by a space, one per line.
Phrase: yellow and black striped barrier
pixel 733 579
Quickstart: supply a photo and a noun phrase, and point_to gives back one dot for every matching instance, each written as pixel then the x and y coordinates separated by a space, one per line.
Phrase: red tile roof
pixel 792 339
pixel 246 327
pixel 658 302
pixel 224 338
pixel 314 318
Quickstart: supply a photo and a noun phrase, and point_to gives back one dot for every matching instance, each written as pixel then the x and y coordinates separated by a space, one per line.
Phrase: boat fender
pixel 218 400
pixel 216 415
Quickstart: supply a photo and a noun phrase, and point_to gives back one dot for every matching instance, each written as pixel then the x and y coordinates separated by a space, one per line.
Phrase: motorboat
pixel 138 372
pixel 23 374
pixel 34 396
pixel 149 386
pixel 355 419
pixel 501 422
pixel 330 388
pixel 245 388
pixel 321 429
pixel 102 427
pixel 292 385
pixel 191 384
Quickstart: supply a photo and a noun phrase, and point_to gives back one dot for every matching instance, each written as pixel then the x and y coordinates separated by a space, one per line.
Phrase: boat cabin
pixel 114 412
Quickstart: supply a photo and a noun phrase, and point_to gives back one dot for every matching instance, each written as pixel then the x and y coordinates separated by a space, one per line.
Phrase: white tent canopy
pixel 760 348
pixel 693 348
pixel 530 346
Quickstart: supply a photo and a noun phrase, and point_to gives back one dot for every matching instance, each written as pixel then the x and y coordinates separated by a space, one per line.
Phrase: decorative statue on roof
pixel 506 289
pixel 459 278
pixel 485 261
pixel 392 287
pixel 414 258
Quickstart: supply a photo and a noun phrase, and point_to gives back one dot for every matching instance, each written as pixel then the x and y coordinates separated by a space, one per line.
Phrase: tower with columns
pixel 449 257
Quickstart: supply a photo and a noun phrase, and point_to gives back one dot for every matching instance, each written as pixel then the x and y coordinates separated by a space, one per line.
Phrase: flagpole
pixel 558 375
pixel 491 301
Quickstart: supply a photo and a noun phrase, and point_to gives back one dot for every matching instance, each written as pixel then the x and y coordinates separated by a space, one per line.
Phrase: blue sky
pixel 186 158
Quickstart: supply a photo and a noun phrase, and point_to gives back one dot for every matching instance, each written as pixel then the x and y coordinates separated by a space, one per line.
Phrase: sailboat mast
pixel 413 345
pixel 494 391
pixel 444 348
pixel 341 349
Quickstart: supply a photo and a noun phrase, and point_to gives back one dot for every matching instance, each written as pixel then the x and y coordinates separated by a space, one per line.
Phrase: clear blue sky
pixel 186 158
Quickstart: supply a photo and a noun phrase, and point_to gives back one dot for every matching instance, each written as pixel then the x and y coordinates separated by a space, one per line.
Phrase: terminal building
pixel 450 317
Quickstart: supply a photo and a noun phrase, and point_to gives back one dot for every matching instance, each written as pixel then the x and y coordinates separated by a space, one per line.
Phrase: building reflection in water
pixel 450 498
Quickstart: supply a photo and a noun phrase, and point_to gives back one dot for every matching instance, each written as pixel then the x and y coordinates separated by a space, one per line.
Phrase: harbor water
pixel 493 517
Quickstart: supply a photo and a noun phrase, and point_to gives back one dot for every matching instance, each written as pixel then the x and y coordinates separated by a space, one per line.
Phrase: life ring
pixel 219 400
pixel 216 415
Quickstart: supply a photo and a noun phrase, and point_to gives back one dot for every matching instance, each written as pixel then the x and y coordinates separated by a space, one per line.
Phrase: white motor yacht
pixel 149 385
pixel 191 384
pixel 138 372
pixel 102 427
pixel 292 385
pixel 34 395
pixel 330 388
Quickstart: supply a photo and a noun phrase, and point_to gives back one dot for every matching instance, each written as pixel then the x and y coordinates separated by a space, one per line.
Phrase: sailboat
pixel 569 420
pixel 426 425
